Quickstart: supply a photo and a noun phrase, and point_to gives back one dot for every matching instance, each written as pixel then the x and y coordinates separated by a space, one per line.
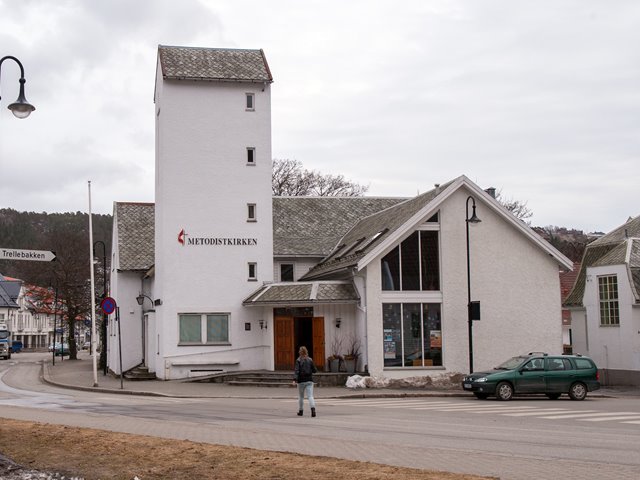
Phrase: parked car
pixel 16 346
pixel 551 375
pixel 60 349
pixel 86 346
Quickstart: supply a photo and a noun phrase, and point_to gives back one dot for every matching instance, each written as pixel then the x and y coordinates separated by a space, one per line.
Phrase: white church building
pixel 233 279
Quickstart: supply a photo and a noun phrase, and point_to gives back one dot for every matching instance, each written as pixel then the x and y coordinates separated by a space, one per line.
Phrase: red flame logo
pixel 181 237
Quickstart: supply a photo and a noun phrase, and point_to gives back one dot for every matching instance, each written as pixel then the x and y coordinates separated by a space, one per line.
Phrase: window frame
pixel 402 341
pixel 204 328
pixel 293 272
pixel 252 276
pixel 608 301
pixel 423 275
pixel 252 107
pixel 251 156
pixel 252 212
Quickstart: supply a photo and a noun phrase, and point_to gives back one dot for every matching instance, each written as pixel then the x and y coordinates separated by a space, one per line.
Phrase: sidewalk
pixel 78 374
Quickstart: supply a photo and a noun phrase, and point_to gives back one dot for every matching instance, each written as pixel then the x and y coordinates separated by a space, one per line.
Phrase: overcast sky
pixel 540 99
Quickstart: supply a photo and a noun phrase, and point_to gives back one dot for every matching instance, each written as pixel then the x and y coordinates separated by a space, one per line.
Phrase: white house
pixel 233 279
pixel 605 304
pixel 28 312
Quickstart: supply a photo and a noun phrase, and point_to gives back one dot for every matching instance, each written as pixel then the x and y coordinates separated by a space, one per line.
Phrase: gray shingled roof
pixel 610 249
pixel 136 235
pixel 303 293
pixel 214 64
pixel 9 292
pixel 313 225
pixel 383 223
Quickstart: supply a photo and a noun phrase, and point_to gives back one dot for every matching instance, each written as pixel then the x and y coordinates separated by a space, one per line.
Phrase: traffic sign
pixel 108 305
pixel 32 255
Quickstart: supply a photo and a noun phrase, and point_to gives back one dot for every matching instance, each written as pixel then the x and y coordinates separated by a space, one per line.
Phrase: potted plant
pixel 353 353
pixel 335 359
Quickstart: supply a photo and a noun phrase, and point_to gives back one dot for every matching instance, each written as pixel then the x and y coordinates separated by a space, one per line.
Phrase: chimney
pixel 437 185
pixel 491 191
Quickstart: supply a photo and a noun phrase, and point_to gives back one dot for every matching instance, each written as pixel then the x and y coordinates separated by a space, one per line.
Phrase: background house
pixel 605 304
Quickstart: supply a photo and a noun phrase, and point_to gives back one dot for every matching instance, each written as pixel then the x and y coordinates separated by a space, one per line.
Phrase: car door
pixel 558 375
pixel 530 377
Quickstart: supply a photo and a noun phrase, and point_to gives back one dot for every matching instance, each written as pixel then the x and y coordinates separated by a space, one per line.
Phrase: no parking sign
pixel 108 305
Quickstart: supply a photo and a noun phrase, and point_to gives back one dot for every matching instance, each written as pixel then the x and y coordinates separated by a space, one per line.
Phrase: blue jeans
pixel 308 386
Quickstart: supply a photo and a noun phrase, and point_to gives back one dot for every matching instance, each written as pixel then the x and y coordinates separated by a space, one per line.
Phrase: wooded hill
pixel 66 234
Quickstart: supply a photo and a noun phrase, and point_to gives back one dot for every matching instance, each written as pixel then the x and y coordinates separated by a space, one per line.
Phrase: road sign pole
pixel 120 347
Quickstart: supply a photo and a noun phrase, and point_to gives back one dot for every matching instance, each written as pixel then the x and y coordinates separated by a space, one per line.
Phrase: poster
pixel 435 339
pixel 389 350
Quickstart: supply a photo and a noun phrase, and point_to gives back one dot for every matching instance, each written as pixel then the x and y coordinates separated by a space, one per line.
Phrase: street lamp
pixel 474 219
pixel 20 108
pixel 103 351
pixel 140 299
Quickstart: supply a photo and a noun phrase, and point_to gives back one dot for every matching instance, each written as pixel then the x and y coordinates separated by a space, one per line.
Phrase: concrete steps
pixel 139 373
pixel 278 379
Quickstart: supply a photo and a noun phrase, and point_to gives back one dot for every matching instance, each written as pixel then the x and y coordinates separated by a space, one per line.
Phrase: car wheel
pixel 504 391
pixel 553 396
pixel 578 391
pixel 481 396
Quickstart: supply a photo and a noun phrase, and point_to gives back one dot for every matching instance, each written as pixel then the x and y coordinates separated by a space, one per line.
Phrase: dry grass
pixel 99 454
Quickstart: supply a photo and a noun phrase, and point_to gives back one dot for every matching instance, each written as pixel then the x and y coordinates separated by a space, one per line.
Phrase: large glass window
pixel 214 326
pixel 414 265
pixel 608 294
pixel 412 334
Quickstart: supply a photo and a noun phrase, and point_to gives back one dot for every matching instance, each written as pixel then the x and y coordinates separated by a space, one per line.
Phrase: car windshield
pixel 4 334
pixel 511 363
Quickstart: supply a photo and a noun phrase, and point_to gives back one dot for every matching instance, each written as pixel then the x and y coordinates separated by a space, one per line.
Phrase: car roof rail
pixel 538 353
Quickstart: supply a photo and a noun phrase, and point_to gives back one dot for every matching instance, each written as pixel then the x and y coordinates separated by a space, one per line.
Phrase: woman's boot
pixel 313 412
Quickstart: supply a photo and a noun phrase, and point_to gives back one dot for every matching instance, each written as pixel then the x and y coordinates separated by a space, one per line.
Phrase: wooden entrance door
pixel 318 342
pixel 284 348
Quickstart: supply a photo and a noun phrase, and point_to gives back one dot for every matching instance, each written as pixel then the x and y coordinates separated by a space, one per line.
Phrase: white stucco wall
pixel 516 282
pixel 612 347
pixel 203 185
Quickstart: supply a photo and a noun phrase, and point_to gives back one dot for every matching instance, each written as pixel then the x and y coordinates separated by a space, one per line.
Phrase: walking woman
pixel 303 376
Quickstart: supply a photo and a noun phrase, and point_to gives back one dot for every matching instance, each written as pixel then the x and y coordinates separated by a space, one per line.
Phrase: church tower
pixel 213 209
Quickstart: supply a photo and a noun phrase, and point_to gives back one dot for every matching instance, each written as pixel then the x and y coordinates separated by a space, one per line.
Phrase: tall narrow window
pixel 251 212
pixel 608 295
pixel 253 271
pixel 286 272
pixel 250 101
pixel 251 156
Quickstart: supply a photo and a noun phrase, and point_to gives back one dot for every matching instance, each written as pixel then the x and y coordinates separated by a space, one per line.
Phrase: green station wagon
pixel 551 375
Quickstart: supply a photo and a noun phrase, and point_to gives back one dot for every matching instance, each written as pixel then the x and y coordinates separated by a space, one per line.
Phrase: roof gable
pixel 391 225
pixel 136 235
pixel 615 248
pixel 213 64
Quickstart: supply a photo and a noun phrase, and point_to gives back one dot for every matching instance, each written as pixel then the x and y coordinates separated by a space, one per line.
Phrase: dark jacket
pixel 305 368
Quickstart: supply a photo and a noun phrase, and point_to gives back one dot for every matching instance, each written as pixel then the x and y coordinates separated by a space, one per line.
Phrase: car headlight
pixel 481 379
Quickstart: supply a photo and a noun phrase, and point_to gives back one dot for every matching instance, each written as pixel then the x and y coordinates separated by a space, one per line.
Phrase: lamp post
pixel 20 108
pixel 103 329
pixel 474 219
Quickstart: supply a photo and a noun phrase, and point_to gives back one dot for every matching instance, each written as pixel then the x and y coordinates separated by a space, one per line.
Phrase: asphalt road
pixel 522 439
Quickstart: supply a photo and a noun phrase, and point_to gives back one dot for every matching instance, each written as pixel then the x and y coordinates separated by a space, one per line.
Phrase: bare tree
pixel 289 178
pixel 517 207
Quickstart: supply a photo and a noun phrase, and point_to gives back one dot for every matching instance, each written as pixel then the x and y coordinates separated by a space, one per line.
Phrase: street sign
pixel 32 255
pixel 108 305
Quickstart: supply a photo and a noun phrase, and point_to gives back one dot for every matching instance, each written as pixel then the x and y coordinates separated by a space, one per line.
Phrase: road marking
pixel 612 416
pixel 573 414
pixel 537 412
pixel 551 413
